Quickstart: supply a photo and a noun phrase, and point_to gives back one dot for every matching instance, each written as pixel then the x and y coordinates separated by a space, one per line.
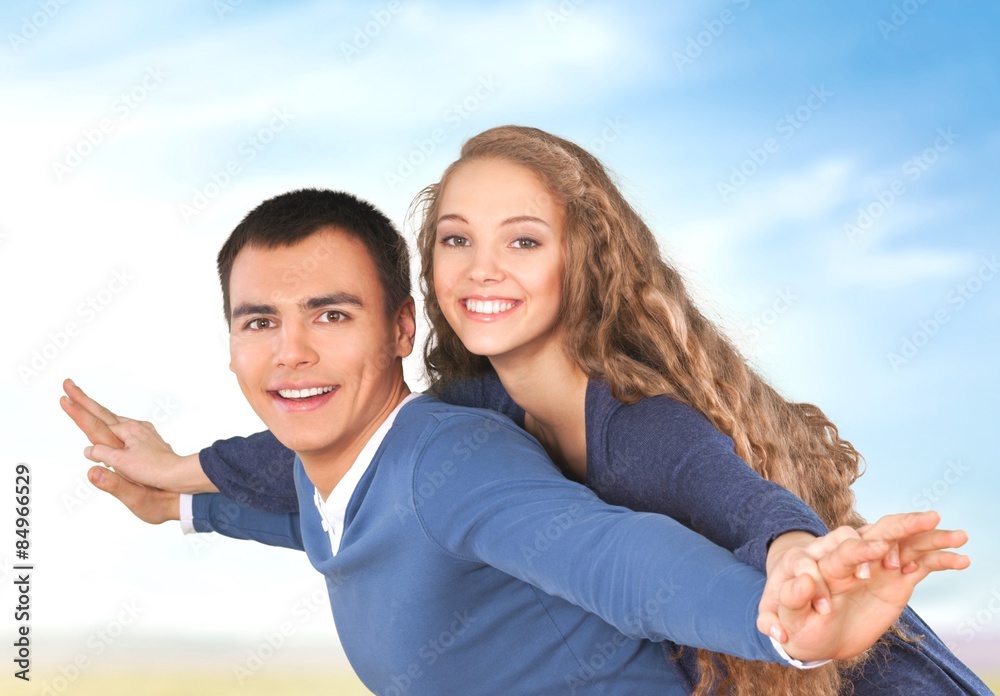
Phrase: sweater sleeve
pixel 663 456
pixel 255 471
pixel 212 512
pixel 650 577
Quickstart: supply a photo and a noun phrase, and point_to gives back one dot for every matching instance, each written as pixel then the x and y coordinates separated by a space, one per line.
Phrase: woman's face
pixel 499 259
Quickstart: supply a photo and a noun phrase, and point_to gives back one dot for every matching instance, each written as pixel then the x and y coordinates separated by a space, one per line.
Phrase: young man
pixel 457 557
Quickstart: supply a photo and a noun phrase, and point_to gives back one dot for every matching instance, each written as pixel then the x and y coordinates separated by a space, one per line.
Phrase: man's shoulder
pixel 429 412
pixel 431 429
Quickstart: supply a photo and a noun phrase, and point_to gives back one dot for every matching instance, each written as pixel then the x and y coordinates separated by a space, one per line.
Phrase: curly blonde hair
pixel 630 321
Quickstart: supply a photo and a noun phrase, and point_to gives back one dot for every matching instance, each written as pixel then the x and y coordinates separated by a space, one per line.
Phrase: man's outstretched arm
pixel 255 471
pixel 210 512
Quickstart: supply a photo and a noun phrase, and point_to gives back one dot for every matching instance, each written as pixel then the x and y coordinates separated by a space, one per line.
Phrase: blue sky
pixel 824 174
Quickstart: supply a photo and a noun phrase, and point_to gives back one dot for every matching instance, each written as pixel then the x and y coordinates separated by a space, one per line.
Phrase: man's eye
pixel 258 324
pixel 332 317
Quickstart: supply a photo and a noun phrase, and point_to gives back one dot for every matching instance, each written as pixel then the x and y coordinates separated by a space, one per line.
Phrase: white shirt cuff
pixel 798 664
pixel 187 514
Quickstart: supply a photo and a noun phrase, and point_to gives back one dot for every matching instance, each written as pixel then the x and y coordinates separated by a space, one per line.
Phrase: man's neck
pixel 326 468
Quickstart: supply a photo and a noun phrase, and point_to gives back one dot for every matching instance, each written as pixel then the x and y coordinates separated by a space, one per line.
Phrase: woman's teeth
pixel 489 306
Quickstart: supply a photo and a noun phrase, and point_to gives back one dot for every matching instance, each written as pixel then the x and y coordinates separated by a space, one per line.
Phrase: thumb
pixel 105 479
pixel 102 454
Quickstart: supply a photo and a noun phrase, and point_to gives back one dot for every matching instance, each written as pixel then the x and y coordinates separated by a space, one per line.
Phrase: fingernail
pixel 823 606
pixel 86 452
pixel 775 633
pixel 893 558
pixel 864 571
pixel 97 476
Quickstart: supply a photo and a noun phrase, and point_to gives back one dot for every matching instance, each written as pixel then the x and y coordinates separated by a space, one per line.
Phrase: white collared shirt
pixel 333 510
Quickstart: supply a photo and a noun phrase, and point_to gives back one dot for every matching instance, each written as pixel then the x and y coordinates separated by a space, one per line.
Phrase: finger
pixel 849 557
pixel 102 454
pixel 936 540
pixel 937 561
pixel 830 541
pixel 108 481
pixel 769 624
pixel 96 430
pixel 892 560
pixel 900 526
pixel 797 594
pixel 76 395
pixel 821 593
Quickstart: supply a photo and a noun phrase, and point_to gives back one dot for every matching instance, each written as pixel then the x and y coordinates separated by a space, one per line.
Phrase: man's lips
pixel 302 398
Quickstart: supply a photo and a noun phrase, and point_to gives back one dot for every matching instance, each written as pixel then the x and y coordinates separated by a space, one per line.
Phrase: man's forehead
pixel 328 263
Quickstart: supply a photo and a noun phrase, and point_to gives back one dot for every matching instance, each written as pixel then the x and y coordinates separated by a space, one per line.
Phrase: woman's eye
pixel 525 243
pixel 455 241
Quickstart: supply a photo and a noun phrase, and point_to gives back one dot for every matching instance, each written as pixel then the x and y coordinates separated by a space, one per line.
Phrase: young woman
pixel 550 302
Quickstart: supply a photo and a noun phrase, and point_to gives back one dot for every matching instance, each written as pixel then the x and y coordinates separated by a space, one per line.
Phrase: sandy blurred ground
pixel 221 683
pixel 217 684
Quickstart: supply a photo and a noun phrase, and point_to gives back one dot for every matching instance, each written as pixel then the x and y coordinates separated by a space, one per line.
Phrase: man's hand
pixel 132 448
pixel 867 592
pixel 148 504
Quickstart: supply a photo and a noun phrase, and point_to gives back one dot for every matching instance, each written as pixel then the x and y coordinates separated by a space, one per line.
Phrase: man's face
pixel 310 342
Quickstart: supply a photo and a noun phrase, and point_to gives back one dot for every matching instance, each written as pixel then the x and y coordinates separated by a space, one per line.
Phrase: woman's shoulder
pixel 482 391
pixel 662 411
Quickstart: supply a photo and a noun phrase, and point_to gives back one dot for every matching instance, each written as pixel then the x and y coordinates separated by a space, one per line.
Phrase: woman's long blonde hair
pixel 630 321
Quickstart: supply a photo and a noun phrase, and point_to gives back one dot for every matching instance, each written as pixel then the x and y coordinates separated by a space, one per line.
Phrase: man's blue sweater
pixel 657 455
pixel 470 565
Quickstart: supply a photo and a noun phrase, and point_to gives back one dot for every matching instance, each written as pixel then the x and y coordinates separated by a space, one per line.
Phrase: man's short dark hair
pixel 288 219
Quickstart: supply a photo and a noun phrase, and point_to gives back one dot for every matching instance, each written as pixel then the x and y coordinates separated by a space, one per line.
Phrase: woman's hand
pixel 865 585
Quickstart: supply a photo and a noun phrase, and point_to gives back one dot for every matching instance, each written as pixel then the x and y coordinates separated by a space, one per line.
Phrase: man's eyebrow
pixel 249 308
pixel 337 298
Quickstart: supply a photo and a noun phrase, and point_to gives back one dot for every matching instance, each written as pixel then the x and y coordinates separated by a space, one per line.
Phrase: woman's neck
pixel 552 390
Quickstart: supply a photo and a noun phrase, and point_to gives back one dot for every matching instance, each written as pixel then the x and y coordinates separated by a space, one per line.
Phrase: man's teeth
pixel 488 307
pixel 303 393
